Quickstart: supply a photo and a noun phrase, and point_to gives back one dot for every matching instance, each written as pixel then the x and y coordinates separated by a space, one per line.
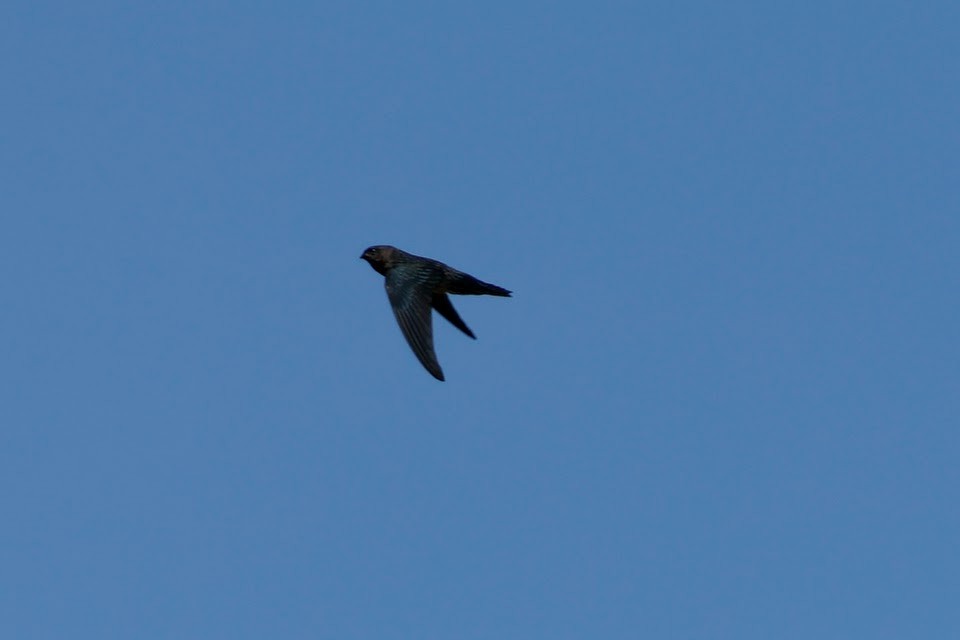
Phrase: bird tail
pixel 465 284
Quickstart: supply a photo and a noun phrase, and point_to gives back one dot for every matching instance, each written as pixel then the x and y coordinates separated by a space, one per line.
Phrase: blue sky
pixel 722 402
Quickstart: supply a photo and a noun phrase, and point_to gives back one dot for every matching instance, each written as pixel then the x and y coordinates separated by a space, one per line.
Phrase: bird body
pixel 415 285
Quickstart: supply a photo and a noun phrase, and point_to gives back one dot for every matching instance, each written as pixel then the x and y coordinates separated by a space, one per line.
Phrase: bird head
pixel 380 257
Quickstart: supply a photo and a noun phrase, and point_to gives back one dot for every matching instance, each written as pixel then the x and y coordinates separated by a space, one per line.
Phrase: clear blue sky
pixel 723 402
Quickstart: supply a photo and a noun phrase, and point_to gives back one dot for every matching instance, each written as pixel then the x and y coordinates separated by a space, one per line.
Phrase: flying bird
pixel 414 286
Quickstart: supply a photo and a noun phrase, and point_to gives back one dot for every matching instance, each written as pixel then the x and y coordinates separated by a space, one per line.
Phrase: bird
pixel 415 285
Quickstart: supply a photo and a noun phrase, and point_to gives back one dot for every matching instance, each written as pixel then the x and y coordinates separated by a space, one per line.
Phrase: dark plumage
pixel 414 286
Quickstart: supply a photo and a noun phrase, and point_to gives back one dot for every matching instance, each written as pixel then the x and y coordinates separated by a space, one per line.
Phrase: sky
pixel 721 403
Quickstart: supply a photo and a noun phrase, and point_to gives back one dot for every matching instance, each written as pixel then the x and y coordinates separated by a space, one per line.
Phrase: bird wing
pixel 441 302
pixel 410 289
